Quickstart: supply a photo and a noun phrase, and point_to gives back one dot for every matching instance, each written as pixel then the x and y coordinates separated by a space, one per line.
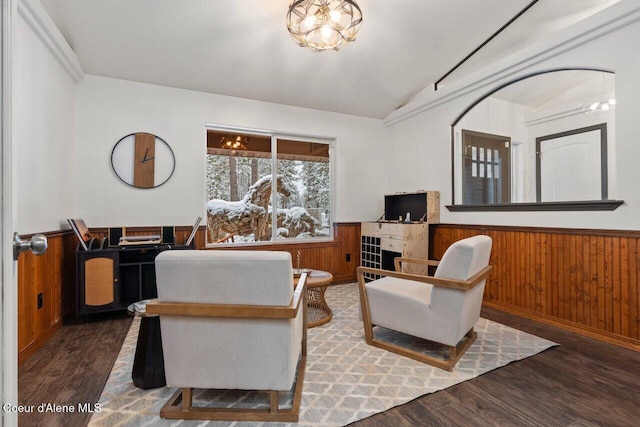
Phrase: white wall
pixel 108 109
pixel 43 125
pixel 420 132
pixel 68 155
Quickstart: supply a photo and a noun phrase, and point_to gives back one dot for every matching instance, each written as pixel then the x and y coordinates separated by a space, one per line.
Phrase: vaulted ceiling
pixel 242 48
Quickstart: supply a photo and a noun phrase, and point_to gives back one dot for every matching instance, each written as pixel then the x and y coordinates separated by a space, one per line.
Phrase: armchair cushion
pixel 400 304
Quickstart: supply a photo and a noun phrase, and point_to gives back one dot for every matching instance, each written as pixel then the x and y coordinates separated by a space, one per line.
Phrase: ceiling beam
pixel 459 64
pixel 43 26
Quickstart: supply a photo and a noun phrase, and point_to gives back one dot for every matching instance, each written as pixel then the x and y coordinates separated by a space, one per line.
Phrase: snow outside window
pixel 239 183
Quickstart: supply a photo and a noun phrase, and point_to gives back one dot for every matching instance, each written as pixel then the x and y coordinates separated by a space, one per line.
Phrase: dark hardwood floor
pixel 71 369
pixel 583 382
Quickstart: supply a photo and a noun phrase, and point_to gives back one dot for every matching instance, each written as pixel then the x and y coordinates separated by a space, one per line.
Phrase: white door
pixel 570 167
pixel 8 297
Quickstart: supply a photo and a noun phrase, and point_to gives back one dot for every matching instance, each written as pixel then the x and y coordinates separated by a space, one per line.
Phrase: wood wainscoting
pixel 339 257
pixel 43 279
pixel 53 274
pixel 587 281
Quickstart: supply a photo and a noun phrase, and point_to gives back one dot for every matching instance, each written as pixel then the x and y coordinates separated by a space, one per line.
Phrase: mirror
pixel 545 138
pixel 143 160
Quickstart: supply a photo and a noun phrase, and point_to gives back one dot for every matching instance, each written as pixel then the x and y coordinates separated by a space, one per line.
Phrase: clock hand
pixel 145 158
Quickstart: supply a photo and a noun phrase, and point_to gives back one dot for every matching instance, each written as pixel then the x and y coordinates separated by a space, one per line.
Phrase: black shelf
pixel 110 279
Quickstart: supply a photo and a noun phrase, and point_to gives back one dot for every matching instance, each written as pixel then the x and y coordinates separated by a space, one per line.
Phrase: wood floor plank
pixel 490 409
pixel 71 368
pixel 524 386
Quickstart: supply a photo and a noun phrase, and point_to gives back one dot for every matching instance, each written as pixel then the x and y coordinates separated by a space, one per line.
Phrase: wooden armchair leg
pixel 457 351
pixel 273 404
pixel 187 398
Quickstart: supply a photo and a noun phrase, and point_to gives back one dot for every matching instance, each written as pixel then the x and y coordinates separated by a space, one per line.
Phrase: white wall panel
pixel 43 122
pixel 109 109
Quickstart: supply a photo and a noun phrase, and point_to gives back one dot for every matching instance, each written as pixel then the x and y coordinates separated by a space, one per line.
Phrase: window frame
pixel 275 135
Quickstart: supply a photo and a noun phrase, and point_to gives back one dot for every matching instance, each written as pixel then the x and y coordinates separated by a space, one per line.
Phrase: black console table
pixel 110 279
pixel 148 363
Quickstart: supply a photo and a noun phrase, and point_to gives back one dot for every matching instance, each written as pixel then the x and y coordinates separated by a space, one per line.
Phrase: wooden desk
pixel 318 311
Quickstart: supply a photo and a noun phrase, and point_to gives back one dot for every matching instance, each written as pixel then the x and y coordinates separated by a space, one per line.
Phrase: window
pixel 242 191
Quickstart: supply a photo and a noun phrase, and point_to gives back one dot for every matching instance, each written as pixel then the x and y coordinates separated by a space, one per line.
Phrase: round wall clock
pixel 143 160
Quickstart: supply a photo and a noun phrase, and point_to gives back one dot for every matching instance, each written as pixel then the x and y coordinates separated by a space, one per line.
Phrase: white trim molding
pixel 43 26
pixel 568 110
pixel 620 15
pixel 8 287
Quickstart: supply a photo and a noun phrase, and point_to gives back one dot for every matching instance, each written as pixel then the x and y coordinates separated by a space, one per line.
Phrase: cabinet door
pixel 97 280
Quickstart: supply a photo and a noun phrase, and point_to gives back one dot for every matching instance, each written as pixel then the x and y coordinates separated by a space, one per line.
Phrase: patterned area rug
pixel 346 380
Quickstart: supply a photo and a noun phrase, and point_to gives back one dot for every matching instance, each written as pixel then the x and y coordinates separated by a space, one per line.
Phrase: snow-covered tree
pixel 221 181
pixel 217 177
pixel 289 170
pixel 315 177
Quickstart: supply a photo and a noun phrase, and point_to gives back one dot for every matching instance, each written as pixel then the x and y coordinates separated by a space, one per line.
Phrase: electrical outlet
pixel 348 257
pixel 40 301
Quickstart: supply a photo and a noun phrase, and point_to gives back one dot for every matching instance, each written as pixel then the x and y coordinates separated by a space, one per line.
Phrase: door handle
pixel 37 245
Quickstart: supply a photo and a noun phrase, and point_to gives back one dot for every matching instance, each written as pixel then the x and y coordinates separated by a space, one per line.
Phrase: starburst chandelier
pixel 324 24
pixel 234 143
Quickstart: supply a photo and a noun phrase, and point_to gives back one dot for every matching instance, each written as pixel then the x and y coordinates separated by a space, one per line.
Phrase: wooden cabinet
pixel 383 241
pixel 111 279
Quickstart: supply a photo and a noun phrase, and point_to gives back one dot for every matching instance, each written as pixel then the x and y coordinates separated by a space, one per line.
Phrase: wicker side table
pixel 318 311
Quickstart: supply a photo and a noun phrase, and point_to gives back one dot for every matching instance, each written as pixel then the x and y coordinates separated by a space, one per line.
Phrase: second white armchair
pixel 442 308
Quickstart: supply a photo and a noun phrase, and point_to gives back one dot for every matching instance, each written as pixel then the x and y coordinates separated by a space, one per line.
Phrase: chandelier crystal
pixel 324 24
pixel 234 143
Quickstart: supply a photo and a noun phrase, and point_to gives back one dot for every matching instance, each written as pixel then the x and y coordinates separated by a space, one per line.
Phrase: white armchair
pixel 231 320
pixel 442 308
